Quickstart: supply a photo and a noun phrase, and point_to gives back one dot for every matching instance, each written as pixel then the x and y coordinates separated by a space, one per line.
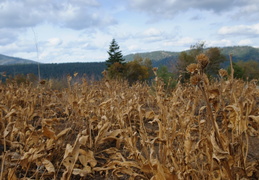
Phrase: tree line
pixel 139 69
pixel 91 70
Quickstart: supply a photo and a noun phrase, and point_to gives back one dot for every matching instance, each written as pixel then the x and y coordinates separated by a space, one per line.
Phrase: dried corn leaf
pixel 161 172
pixel 102 132
pixel 48 165
pixel 31 156
pixel 63 132
pixel 11 174
pixel 87 157
pixel 49 132
pixel 82 172
pixel 69 150
pixel 83 140
pixel 8 128
pixel 50 122
pixel 11 113
pixel 254 118
pixel 149 115
pixel 106 102
pixel 70 157
pixel 218 152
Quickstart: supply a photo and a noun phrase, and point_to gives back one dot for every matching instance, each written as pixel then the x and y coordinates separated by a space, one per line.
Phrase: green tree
pixel 115 54
pixel 250 69
pixel 215 58
pixel 238 71
pixel 167 77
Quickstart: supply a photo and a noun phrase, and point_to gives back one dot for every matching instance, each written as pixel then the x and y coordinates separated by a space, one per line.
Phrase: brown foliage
pixel 109 129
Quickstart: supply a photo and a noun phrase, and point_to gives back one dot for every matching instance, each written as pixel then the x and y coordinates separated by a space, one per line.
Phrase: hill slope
pixel 158 58
pixel 244 53
pixel 154 56
pixel 21 66
pixel 7 60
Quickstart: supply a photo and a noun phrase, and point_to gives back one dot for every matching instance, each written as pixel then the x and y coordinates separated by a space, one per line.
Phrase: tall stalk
pixel 37 50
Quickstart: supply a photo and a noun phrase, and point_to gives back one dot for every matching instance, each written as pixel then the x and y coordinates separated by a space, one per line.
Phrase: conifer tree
pixel 115 54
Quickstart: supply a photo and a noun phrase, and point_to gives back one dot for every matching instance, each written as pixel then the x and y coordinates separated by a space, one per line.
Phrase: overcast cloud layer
pixel 81 30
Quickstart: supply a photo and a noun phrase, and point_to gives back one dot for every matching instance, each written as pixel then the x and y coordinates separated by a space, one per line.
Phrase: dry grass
pixel 109 130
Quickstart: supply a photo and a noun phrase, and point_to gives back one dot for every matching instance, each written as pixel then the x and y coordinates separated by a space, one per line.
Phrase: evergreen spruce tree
pixel 115 54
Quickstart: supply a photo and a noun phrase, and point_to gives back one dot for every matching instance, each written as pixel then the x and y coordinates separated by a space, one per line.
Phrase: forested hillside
pixel 244 53
pixel 56 70
pixel 94 69
pixel 240 53
pixel 154 56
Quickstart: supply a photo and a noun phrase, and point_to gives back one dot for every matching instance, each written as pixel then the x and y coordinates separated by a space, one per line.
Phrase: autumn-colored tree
pixel 138 70
pixel 188 57
pixel 116 71
pixel 145 62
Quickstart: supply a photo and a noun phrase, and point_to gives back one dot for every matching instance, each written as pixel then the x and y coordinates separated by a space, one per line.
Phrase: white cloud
pixel 186 41
pixel 81 30
pixel 54 42
pixel 169 8
pixel 7 36
pixel 181 42
pixel 245 42
pixel 74 14
pixel 15 14
pixel 152 32
pixel 240 30
pixel 133 48
pixel 219 43
pixel 18 46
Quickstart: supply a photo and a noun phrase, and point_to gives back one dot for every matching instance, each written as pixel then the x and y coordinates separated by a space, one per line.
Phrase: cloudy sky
pixel 81 30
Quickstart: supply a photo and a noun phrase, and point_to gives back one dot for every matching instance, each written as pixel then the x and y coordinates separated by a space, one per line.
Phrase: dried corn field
pixel 110 130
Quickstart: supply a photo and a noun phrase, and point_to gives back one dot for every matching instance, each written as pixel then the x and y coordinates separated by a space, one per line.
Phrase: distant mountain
pixel 158 58
pixel 22 66
pixel 154 56
pixel 7 60
pixel 244 53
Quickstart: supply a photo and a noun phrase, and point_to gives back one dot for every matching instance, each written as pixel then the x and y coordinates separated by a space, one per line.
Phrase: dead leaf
pixel 63 132
pixel 87 157
pixel 48 165
pixel 11 174
pixel 49 132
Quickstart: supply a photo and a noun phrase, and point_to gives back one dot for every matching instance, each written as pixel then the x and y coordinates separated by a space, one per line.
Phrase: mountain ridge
pixel 162 57
pixel 94 69
pixel 244 53
pixel 9 60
